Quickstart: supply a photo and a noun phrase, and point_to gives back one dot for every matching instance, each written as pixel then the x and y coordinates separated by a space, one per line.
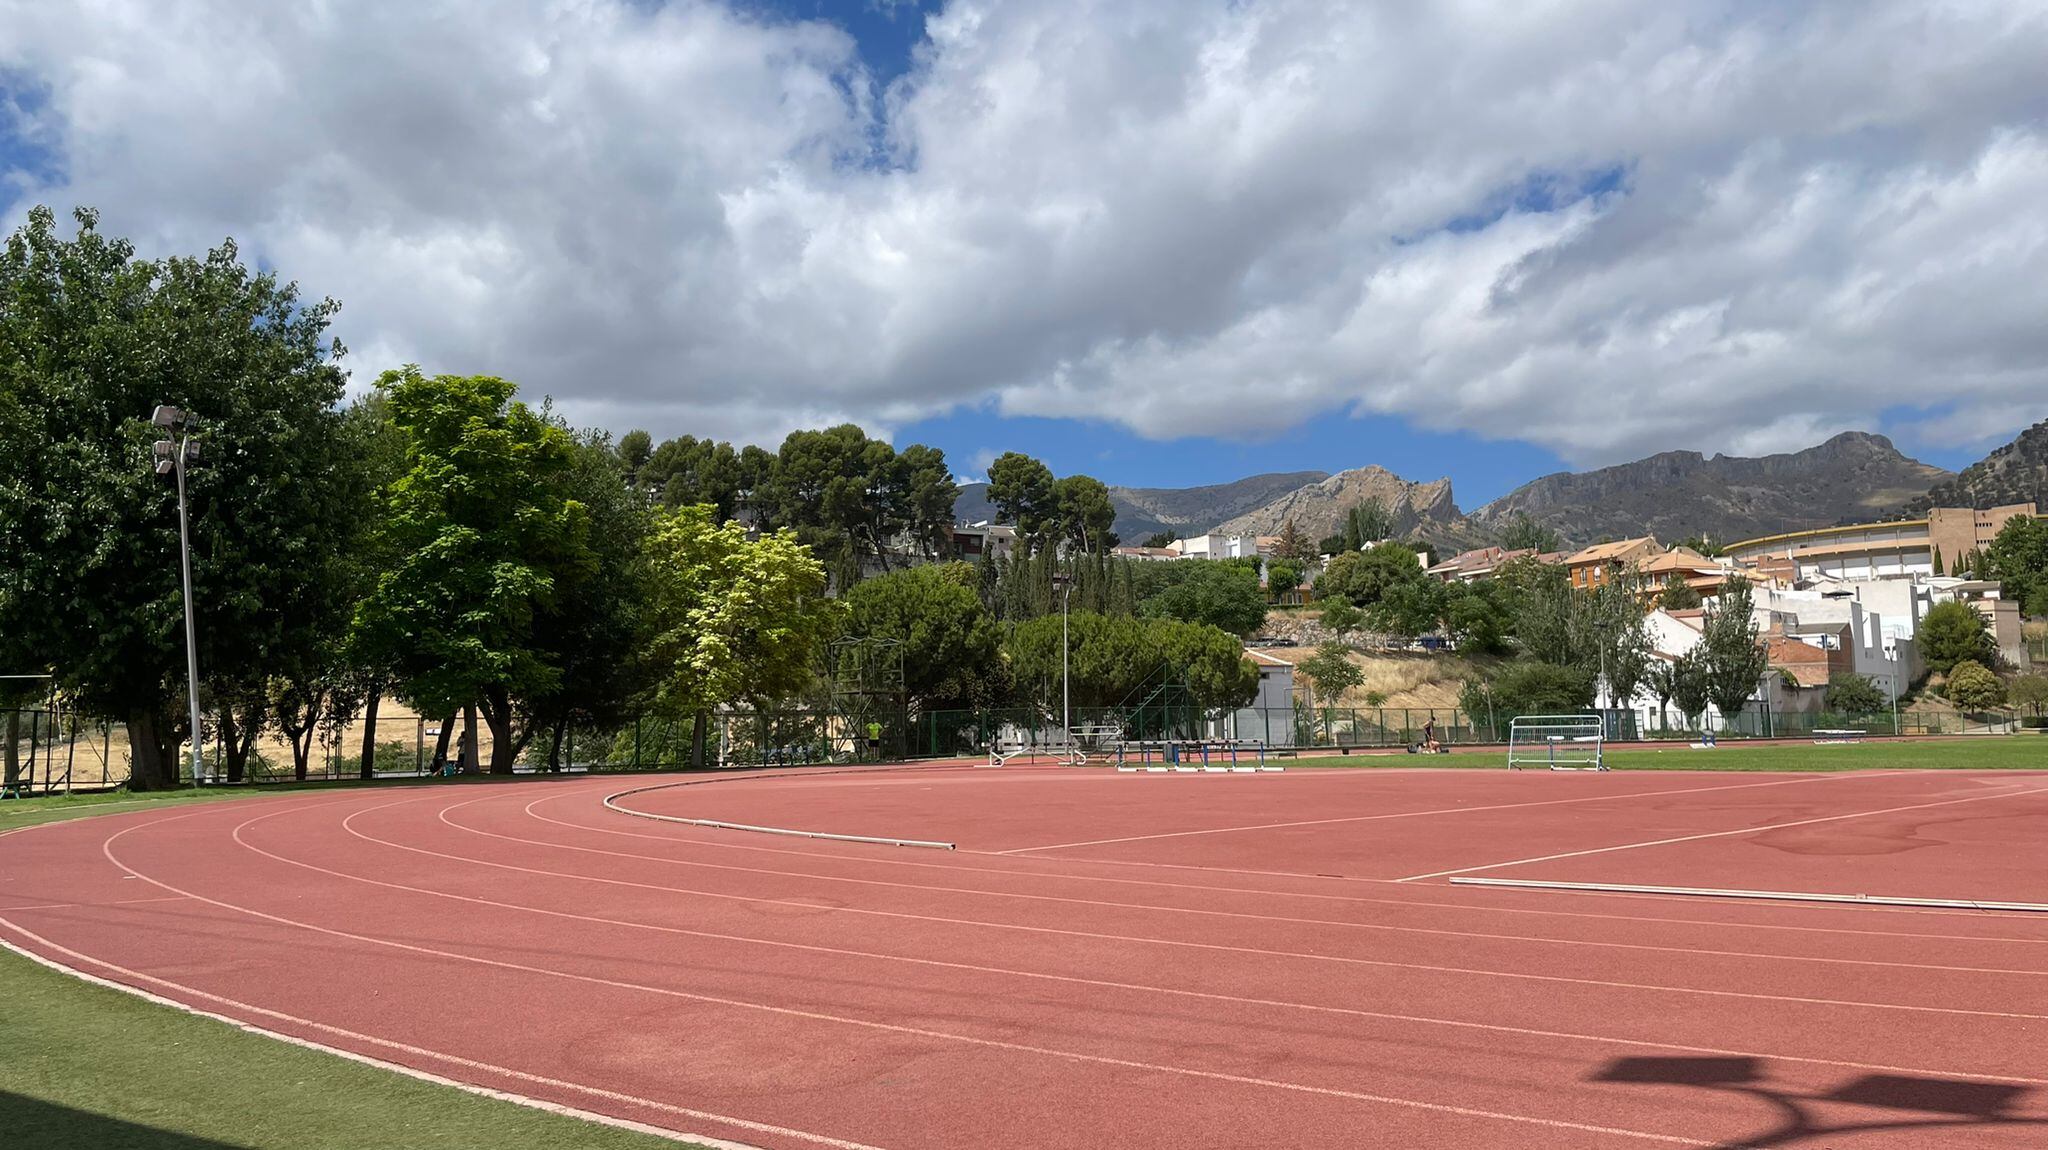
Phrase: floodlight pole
pixel 180 423
pixel 1066 585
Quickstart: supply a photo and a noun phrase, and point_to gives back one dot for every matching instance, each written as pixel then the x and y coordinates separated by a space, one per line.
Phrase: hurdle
pixel 1557 742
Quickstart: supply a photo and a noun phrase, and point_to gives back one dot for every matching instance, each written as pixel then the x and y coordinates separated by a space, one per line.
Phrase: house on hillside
pixel 1480 563
pixel 1698 572
pixel 1592 566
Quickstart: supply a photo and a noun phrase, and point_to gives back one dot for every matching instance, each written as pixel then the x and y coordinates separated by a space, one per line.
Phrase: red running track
pixel 1118 960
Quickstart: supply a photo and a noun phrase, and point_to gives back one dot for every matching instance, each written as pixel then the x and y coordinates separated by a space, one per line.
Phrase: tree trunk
pixel 152 766
pixel 370 702
pixel 498 716
pixel 469 747
pixel 698 723
pixel 555 748
pixel 236 765
pixel 440 758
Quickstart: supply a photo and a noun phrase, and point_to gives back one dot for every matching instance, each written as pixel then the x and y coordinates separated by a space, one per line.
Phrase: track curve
pixel 1049 985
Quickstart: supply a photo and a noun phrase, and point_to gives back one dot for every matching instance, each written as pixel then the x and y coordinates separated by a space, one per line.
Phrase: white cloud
pixel 1219 219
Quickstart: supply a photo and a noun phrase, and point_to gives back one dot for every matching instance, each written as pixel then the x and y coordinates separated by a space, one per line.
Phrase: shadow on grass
pixel 33 1124
pixel 1935 1104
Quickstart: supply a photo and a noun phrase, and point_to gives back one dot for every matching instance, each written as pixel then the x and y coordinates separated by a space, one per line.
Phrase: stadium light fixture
pixel 173 455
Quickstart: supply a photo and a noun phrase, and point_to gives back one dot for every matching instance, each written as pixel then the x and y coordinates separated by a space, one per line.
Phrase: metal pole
pixel 1066 712
pixel 191 642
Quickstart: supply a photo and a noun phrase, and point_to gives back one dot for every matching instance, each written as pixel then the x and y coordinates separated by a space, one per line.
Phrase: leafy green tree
pixel 1021 488
pixel 1159 539
pixel 1114 656
pixel 1853 694
pixel 1704 544
pixel 1523 533
pixel 2030 691
pixel 1677 595
pixel 1364 577
pixel 1622 635
pixel 1953 633
pixel 1528 687
pixel 1408 606
pixel 1333 672
pixel 486 539
pixel 1341 618
pixel 1972 686
pixel 1084 514
pixel 1476 617
pixel 951 644
pixel 1661 677
pixel 1332 545
pixel 729 619
pixel 635 448
pixel 1690 687
pixel 1735 656
pixel 687 470
pixel 91 339
pixel 591 629
pixel 1226 596
pixel 843 494
pixel 929 494
pixel 1283 575
pixel 2019 559
pixel 1368 523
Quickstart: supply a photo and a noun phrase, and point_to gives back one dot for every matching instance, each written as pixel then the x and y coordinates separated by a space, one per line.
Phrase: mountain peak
pixel 2014 473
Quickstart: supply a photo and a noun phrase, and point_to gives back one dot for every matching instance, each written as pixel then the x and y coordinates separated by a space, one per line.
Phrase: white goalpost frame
pixel 1557 742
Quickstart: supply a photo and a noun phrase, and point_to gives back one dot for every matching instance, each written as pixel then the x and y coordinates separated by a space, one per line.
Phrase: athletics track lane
pixel 538 933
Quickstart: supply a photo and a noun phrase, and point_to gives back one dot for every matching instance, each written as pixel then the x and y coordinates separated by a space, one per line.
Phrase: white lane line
pixel 1068 875
pixel 1164 942
pixel 1104 983
pixel 71 905
pixel 915 1031
pixel 1177 910
pixel 1439 811
pixel 1764 895
pixel 1726 834
pixel 136 976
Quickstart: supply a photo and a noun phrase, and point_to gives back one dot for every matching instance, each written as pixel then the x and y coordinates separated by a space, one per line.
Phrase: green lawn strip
pixel 1975 752
pixel 90 1066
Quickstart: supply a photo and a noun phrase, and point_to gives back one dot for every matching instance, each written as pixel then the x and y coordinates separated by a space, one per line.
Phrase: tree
pixel 1333 673
pixel 2030 691
pixel 1678 595
pixel 850 498
pixel 729 619
pixel 1972 686
pixel 2019 559
pixel 1953 633
pixel 951 644
pixel 1475 617
pixel 1703 543
pixel 635 448
pixel 1365 577
pixel 1529 687
pixel 1223 595
pixel 1332 545
pixel 1690 688
pixel 1622 635
pixel 1409 606
pixel 1342 618
pixel 1294 544
pixel 1735 658
pixel 1661 677
pixel 1021 488
pixel 1366 524
pixel 91 339
pixel 1084 514
pixel 591 629
pixel 1523 533
pixel 1159 539
pixel 1114 656
pixel 1853 694
pixel 1283 575
pixel 486 539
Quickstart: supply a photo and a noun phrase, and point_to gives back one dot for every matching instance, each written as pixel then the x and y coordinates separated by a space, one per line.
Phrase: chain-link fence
pixel 47 751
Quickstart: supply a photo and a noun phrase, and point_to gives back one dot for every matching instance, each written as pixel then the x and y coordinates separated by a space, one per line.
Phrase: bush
pixel 1529 688
pixel 1972 687
pixel 1953 633
pixel 1853 694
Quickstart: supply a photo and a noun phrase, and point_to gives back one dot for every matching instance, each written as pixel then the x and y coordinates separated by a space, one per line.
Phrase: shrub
pixel 1972 687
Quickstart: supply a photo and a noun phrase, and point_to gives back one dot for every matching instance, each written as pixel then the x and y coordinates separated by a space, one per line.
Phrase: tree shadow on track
pixel 33 1124
pixel 1946 1103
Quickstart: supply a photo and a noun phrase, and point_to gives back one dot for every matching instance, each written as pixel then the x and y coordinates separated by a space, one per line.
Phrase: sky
pixel 1163 242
